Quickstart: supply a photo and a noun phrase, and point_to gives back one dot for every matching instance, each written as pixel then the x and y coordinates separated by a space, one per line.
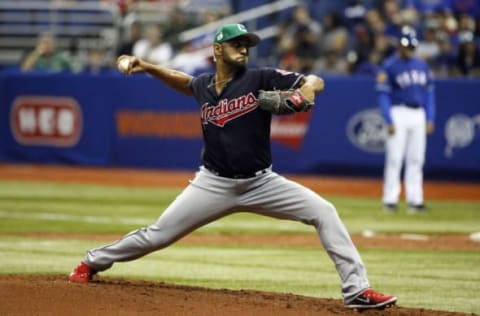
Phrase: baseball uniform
pixel 406 97
pixel 236 173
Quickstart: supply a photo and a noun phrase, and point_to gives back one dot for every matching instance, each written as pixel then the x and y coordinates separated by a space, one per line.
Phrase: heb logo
pixel 290 130
pixel 39 120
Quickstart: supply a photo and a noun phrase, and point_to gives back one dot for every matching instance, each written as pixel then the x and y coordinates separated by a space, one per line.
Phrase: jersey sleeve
pixel 194 84
pixel 430 105
pixel 278 79
pixel 382 82
pixel 430 80
pixel 383 89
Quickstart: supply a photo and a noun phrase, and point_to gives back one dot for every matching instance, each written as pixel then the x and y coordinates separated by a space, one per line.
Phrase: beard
pixel 239 62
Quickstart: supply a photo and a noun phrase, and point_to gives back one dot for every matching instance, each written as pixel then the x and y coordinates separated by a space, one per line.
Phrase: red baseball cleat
pixel 81 274
pixel 370 299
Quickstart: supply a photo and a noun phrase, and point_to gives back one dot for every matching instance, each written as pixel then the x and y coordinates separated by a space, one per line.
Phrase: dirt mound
pixel 54 295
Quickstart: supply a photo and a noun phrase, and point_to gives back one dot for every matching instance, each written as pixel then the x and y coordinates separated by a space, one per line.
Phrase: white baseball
pixel 123 65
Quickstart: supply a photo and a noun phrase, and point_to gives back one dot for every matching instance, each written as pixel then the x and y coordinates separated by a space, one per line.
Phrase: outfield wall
pixel 113 120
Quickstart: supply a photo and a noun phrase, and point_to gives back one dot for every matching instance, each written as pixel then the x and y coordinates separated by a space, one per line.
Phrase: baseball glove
pixel 283 101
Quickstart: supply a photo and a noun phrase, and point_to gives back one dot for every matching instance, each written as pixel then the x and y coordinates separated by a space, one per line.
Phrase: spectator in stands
pixel 428 47
pixel 179 21
pixel 191 60
pixel 383 46
pixel 47 57
pixel 334 36
pixel 306 48
pixel 354 13
pixel 132 34
pixel 123 5
pixel 371 66
pixel 297 45
pixel 331 64
pixel 152 47
pixel 466 25
pixel 195 56
pixel 468 57
pixel 391 13
pixel 445 60
pixel 359 57
pixel 374 22
pixel 448 22
pixel 96 63
pixel 302 17
pixel 203 41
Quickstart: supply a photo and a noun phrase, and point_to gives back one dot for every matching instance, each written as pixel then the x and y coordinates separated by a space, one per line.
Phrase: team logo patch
pixel 227 110
pixel 41 120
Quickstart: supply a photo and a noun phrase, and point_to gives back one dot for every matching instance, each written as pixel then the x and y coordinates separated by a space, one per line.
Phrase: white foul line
pixel 77 218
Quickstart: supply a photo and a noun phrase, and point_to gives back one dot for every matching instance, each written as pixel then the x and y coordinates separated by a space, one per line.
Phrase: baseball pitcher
pixel 236 106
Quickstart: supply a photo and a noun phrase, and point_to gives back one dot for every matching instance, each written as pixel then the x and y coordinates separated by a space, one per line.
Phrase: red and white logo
pixel 41 120
pixel 290 130
pixel 227 110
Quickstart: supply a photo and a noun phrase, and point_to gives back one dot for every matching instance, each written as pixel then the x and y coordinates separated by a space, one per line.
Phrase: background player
pixel 407 102
pixel 236 173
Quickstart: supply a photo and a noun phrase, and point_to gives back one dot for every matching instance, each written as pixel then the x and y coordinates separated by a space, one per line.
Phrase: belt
pixel 239 175
pixel 409 105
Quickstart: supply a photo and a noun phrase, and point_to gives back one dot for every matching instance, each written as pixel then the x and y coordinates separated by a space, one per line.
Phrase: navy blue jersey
pixel 236 131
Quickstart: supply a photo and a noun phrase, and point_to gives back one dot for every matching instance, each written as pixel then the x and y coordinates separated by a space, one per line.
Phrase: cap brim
pixel 252 38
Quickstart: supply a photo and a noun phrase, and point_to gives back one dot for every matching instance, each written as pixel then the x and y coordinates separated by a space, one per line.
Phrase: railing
pixel 98 24
pixel 158 11
pixel 89 23
pixel 248 17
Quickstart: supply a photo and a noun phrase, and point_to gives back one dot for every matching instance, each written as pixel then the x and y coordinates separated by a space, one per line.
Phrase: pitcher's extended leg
pixel 282 198
pixel 199 204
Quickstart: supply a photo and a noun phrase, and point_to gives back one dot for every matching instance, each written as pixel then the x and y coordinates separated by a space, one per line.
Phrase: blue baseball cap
pixel 408 38
pixel 230 31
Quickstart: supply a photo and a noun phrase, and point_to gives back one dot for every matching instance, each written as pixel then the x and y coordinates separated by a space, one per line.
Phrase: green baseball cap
pixel 231 31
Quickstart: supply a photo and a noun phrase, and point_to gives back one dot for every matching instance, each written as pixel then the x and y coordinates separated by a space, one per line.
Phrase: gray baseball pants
pixel 209 197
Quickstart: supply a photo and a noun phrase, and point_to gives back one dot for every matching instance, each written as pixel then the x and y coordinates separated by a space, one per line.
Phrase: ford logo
pixel 367 131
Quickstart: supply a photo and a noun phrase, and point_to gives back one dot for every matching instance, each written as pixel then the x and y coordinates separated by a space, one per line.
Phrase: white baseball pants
pixel 407 144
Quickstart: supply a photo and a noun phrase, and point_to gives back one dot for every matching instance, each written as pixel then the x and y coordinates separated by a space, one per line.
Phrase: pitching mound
pixel 54 295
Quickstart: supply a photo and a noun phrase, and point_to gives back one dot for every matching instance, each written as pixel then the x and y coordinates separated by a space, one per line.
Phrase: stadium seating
pixel 77 25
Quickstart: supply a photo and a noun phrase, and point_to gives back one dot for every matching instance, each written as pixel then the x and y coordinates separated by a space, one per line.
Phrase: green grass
pixel 445 280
